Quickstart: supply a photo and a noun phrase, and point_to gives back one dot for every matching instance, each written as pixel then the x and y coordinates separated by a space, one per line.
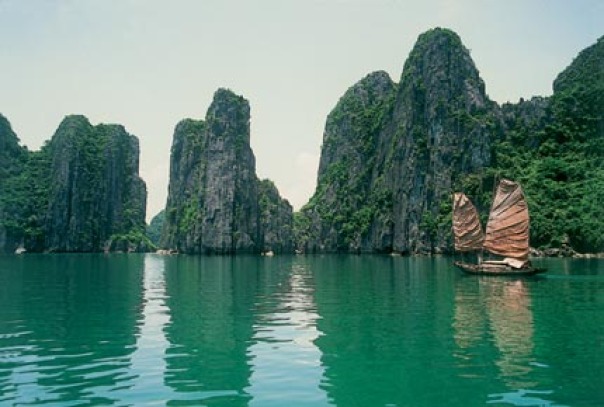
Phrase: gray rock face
pixel 525 120
pixel 339 214
pixel 393 153
pixel 78 193
pixel 230 193
pixel 96 191
pixel 213 198
pixel 442 126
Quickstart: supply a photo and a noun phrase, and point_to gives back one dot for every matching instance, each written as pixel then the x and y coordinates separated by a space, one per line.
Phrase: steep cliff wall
pixel 442 127
pixel 340 212
pixel 392 153
pixel 96 194
pixel 80 193
pixel 213 197
pixel 440 133
pixel 10 150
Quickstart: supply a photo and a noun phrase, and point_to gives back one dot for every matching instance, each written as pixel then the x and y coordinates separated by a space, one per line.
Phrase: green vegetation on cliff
pixel 341 211
pixel 155 227
pixel 24 189
pixel 391 153
pixel 387 169
pixel 79 193
pixel 560 159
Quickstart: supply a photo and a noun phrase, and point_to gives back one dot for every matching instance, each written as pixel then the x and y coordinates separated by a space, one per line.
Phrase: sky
pixel 149 64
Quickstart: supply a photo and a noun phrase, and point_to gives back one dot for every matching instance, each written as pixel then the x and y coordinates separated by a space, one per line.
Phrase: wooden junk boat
pixel 507 233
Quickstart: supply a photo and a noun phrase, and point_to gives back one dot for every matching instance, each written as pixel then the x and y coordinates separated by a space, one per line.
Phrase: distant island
pixel 392 154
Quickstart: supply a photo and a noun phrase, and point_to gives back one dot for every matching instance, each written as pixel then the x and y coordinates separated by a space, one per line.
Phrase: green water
pixel 296 331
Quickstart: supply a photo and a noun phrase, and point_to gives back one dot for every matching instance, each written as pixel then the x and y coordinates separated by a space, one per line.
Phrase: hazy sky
pixel 148 64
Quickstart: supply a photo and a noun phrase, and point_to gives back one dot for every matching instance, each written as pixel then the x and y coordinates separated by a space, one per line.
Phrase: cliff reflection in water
pixel 296 331
pixel 211 327
pixel 237 324
pixel 61 339
pixel 375 313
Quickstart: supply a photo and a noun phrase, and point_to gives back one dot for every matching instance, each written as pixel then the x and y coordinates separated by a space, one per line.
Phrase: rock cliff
pixel 392 153
pixel 80 193
pixel 276 219
pixel 10 150
pixel 213 198
pixel 96 193
pixel 12 161
pixel 155 227
pixel 340 213
pixel 442 128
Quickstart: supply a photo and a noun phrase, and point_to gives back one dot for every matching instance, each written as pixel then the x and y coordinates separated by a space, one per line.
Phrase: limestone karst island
pixel 392 154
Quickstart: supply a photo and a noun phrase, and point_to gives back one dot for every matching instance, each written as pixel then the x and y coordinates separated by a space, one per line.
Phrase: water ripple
pixel 296 331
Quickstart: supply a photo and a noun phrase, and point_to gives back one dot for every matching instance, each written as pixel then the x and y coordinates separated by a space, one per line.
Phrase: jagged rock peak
pixel 440 61
pixel 229 116
pixel 73 120
pixel 435 43
pixel 371 86
pixel 373 89
pixel 71 124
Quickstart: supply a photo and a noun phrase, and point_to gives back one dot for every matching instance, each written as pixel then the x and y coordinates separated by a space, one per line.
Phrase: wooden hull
pixel 498 269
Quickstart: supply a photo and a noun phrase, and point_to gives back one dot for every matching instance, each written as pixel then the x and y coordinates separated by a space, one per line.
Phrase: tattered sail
pixel 507 231
pixel 466 224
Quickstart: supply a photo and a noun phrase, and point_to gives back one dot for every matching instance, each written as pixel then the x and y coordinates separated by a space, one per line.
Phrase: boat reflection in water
pixel 511 325
pixel 494 315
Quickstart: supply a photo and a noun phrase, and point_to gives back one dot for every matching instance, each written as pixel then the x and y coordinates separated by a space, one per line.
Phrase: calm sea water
pixel 296 331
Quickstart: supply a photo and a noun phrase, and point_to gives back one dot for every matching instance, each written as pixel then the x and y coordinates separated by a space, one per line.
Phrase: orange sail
pixel 466 224
pixel 507 231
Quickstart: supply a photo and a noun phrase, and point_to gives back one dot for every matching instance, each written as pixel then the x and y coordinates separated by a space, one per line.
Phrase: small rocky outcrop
pixel 213 198
pixel 276 219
